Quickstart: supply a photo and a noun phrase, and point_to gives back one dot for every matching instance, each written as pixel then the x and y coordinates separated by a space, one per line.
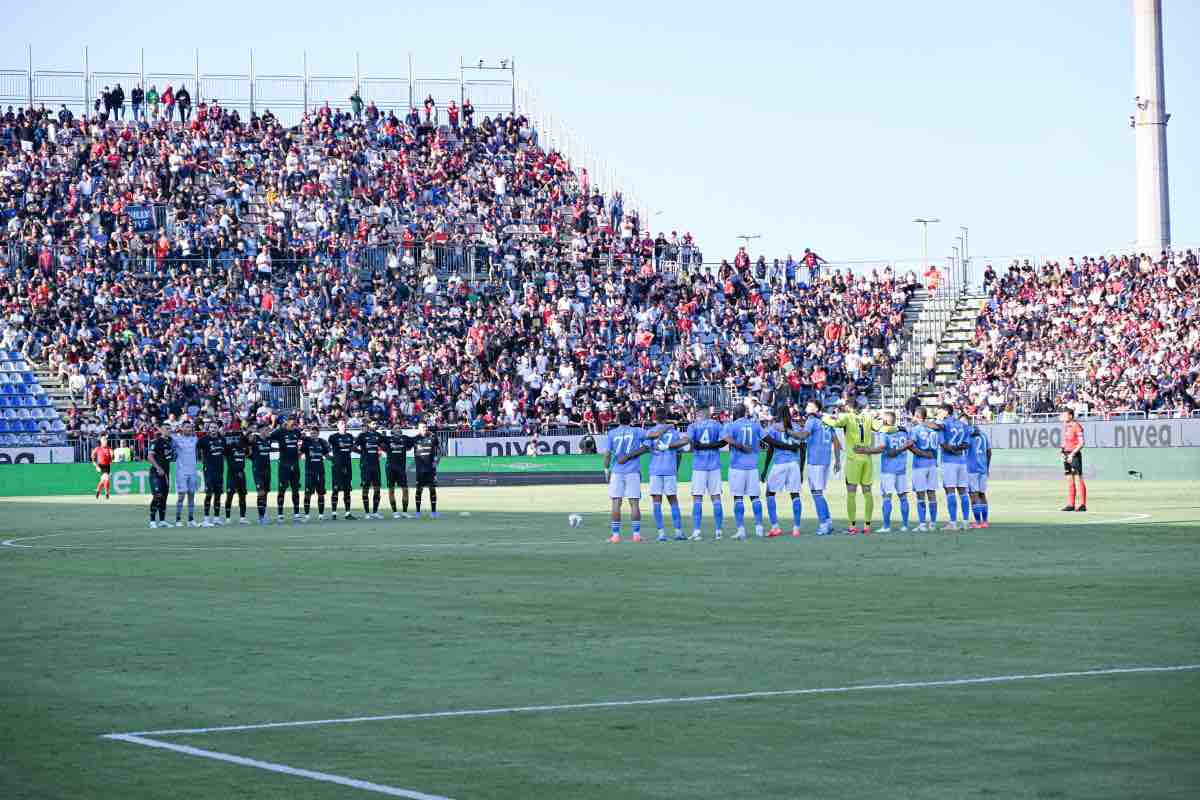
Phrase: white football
pixel 574 520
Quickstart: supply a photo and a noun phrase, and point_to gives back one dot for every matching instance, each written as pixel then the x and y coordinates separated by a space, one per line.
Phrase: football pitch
pixel 499 653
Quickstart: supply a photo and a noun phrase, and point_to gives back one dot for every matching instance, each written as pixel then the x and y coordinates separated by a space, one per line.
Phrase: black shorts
pixel 341 477
pixel 426 478
pixel 214 480
pixel 370 473
pixel 314 479
pixel 289 476
pixel 262 476
pixel 1073 465
pixel 105 469
pixel 235 479
pixel 397 475
pixel 159 484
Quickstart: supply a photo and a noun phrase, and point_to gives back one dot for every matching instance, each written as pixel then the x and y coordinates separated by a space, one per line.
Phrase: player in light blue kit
pixel 665 442
pixel 926 442
pixel 624 446
pixel 954 466
pixel 824 458
pixel 706 437
pixel 979 464
pixel 893 444
pixel 744 437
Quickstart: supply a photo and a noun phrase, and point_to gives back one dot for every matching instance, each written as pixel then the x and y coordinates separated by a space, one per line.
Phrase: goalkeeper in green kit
pixel 859 428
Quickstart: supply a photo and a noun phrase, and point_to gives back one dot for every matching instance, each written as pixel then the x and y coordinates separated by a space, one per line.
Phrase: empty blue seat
pixel 42 400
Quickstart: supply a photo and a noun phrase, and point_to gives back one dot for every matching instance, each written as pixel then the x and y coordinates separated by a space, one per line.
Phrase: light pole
pixel 966 255
pixel 925 223
pixel 747 238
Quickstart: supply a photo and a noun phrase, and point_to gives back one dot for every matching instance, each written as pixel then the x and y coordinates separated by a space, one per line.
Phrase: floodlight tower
pixel 1149 122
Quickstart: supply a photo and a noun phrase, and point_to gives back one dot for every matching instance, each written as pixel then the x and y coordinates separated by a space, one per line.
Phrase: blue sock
pixel 983 511
pixel 718 514
pixel 772 511
pixel 952 507
pixel 616 527
pixel 739 512
pixel 822 508
pixel 921 510
pixel 756 506
pixel 904 509
pixel 887 511
pixel 976 512
pixel 658 517
pixel 965 501
pixel 677 517
pixel 933 511
pixel 796 508
pixel 697 512
pixel 637 527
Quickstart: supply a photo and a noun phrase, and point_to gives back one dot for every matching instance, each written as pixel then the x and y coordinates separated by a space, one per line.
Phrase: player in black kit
pixel 396 444
pixel 236 447
pixel 261 445
pixel 211 450
pixel 288 439
pixel 369 442
pixel 161 455
pixel 426 453
pixel 315 451
pixel 342 446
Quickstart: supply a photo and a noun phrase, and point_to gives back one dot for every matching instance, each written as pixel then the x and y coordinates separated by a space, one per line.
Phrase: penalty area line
pixel 664 701
pixel 270 766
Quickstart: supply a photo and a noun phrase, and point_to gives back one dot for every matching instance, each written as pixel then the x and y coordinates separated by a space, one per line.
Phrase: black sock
pixel 295 501
pixel 262 506
pixel 375 501
pixel 366 501
pixel 420 491
pixel 242 505
pixel 433 499
pixel 307 501
pixel 279 501
pixel 404 501
pixel 392 499
pixel 321 503
pixel 346 499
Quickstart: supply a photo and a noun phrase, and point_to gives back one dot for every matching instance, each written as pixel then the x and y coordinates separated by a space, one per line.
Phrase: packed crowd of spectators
pixel 1103 335
pixel 433 266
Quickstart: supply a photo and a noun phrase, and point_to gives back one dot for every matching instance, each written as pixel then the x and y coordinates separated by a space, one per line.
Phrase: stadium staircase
pixel 948 318
pixel 56 389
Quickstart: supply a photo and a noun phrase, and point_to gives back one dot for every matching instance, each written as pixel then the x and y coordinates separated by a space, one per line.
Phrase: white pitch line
pixel 662 701
pixel 270 766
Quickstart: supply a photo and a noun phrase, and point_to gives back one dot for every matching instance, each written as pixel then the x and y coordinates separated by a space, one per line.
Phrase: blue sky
pixel 819 124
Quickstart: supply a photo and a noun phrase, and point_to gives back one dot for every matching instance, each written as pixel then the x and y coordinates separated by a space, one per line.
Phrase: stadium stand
pixel 1105 335
pixel 394 267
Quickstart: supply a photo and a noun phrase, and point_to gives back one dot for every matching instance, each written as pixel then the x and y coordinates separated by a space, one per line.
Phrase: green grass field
pixel 108 627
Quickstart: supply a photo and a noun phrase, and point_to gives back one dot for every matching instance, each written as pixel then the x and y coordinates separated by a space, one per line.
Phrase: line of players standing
pixel 963 450
pixel 222 455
